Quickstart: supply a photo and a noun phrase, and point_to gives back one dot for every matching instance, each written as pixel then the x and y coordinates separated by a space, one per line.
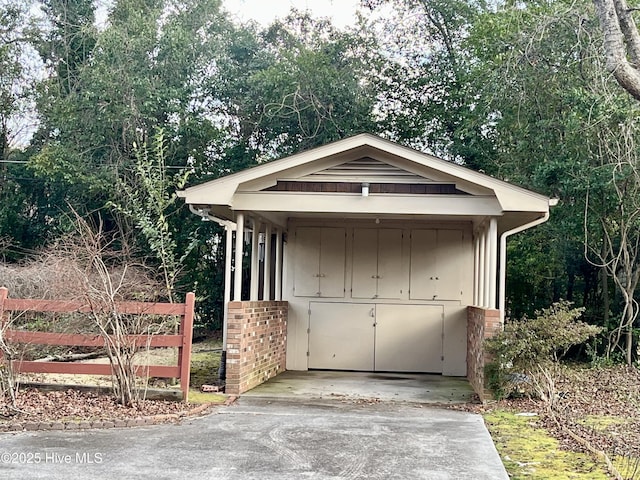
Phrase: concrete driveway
pixel 265 439
pixel 397 387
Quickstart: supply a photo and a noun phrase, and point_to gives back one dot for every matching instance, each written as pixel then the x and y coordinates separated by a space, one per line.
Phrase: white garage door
pixel 382 337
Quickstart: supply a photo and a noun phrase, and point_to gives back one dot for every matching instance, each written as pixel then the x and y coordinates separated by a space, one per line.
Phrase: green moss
pixel 196 397
pixel 627 467
pixel 205 361
pixel 529 452
pixel 601 422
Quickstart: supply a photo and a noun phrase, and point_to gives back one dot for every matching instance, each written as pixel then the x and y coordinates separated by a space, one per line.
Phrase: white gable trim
pixel 222 191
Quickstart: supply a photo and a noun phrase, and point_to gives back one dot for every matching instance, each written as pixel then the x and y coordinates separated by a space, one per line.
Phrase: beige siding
pixel 384 251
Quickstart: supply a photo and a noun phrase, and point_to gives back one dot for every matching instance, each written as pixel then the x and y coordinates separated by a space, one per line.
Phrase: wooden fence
pixel 182 340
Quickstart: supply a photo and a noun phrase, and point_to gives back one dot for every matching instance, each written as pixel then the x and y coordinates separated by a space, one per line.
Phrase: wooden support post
pixel 222 369
pixel 237 274
pixel 487 268
pixel 266 284
pixel 476 268
pixel 493 262
pixel 278 277
pixel 184 353
pixel 481 268
pixel 255 261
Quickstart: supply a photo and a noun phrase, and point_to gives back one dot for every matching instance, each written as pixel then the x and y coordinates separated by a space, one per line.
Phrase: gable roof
pixel 364 158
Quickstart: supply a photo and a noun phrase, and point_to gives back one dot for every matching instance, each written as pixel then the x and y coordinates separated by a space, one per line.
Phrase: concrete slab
pixel 265 439
pixel 398 387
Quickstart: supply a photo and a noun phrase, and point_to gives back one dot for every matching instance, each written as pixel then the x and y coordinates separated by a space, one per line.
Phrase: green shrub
pixel 528 344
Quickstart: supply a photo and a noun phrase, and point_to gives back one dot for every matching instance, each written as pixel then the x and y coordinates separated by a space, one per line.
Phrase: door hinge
pixel 308 355
pixel 441 357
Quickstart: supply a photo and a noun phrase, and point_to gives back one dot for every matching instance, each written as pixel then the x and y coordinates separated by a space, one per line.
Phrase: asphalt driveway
pixel 263 439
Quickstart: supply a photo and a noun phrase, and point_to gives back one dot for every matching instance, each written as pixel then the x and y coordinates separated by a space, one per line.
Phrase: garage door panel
pixel 341 336
pixel 408 338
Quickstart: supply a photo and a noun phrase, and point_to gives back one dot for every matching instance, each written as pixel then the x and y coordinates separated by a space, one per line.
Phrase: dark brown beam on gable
pixel 353 187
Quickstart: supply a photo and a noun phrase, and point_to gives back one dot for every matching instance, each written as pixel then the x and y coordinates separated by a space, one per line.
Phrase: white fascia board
pixel 452 205
pixel 513 201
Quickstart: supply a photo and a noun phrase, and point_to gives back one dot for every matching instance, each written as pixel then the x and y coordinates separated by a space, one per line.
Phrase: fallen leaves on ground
pixel 48 406
pixel 600 405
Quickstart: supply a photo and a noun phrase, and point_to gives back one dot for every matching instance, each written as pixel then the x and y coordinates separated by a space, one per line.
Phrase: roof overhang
pixel 366 158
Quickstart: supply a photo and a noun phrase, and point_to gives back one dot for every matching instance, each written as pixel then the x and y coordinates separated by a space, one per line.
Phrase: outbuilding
pixel 364 255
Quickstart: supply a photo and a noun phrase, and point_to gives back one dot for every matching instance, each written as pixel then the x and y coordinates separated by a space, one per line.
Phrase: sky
pixel 265 11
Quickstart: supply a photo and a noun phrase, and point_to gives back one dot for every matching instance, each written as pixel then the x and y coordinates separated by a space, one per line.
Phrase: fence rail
pixel 182 340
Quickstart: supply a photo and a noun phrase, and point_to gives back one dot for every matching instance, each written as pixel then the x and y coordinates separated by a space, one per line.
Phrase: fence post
pixel 4 293
pixel 184 355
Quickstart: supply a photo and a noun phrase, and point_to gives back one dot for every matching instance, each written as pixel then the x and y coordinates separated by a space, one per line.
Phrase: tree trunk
pixel 629 334
pixel 604 278
pixel 621 43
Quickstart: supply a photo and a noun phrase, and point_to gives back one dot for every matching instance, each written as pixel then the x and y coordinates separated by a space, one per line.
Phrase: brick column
pixel 256 343
pixel 482 323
